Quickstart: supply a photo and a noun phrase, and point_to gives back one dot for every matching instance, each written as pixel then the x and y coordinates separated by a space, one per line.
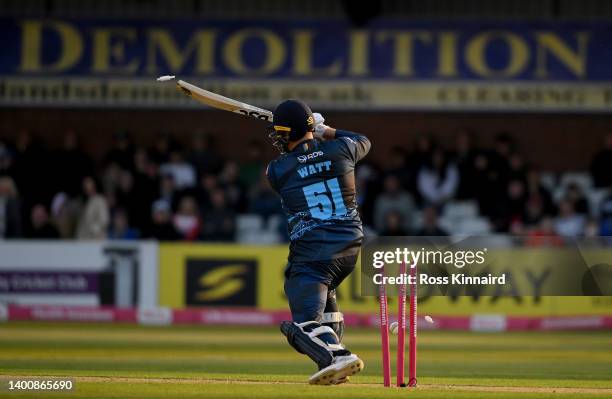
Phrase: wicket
pixel 401 331
pixel 384 332
pixel 412 378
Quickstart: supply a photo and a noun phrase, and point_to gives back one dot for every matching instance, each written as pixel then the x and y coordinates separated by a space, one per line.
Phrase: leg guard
pixel 335 321
pixel 331 316
pixel 319 343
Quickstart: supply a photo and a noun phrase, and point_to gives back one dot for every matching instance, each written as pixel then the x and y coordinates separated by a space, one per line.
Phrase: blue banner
pixel 373 61
pixel 387 49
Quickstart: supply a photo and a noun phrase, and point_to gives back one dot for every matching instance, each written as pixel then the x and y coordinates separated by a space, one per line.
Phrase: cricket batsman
pixel 315 178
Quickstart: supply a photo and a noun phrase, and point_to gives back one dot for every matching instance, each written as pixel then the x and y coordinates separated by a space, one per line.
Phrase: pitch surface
pixel 129 361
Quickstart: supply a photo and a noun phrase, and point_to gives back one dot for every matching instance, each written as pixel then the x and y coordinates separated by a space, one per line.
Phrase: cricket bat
pixel 221 102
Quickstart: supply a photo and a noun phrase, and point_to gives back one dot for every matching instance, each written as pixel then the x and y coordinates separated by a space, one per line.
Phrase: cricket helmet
pixel 292 120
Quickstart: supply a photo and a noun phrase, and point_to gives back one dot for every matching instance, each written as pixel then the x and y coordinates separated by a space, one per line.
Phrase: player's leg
pixel 332 317
pixel 337 271
pixel 307 296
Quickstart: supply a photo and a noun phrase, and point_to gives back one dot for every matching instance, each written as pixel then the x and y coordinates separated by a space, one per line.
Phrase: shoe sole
pixel 334 377
pixel 341 381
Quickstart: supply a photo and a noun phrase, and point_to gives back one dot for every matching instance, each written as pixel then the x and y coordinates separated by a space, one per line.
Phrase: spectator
pixel 544 235
pixel 419 157
pixel 26 154
pixel 437 180
pixel 368 187
pixel 430 224
pixel 509 195
pixel 110 180
pixel 229 180
pixel 208 183
pixel 499 158
pixel 122 152
pixel 464 159
pixel 162 227
pixel 66 212
pixel 591 229
pixel 569 223
pixel 135 202
pixel 394 225
pixel 511 209
pixel 167 188
pixel 605 213
pixel 203 155
pixel 94 219
pixel 602 164
pixel 517 169
pixel 397 166
pixel 255 163
pixel 517 228
pixel 535 189
pixel 164 144
pixel 534 211
pixel 574 194
pixel 120 228
pixel 491 187
pixel 517 198
pixel 29 156
pixel 187 219
pixel 145 189
pixel 10 209
pixel 124 194
pixel 393 199
pixel 6 159
pixel 422 152
pixel 182 172
pixel 220 221
pixel 71 165
pixel 263 200
pixel 41 227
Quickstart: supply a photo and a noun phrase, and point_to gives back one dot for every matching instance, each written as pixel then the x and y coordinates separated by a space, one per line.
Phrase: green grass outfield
pixel 130 361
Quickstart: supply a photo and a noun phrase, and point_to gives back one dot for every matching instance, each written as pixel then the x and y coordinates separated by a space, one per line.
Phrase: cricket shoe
pixel 342 381
pixel 337 372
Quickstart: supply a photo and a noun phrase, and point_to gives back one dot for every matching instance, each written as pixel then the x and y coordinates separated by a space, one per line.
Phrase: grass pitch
pixel 130 361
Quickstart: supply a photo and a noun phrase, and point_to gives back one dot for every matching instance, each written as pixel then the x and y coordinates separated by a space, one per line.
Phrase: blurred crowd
pixel 410 193
pixel 188 191
pixel 167 191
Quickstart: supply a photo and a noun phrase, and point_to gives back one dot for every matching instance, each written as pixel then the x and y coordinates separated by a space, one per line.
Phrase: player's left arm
pixel 357 144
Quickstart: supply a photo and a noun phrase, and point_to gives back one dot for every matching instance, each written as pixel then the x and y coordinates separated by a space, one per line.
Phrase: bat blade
pixel 221 102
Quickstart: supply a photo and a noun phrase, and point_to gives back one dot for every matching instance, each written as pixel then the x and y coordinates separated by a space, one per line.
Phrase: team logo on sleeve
pixel 307 157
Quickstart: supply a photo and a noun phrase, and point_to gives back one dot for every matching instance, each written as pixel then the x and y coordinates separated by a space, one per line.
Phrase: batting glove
pixel 319 126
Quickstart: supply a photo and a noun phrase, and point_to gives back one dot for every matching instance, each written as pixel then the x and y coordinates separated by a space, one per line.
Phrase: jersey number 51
pixel 325 199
